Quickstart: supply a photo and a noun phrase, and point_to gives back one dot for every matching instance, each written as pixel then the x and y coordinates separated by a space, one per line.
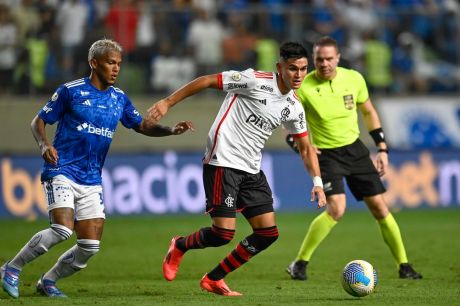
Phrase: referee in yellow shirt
pixel 330 96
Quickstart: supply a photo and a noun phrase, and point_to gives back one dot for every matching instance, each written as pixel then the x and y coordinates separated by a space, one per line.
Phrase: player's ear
pixel 93 63
pixel 278 67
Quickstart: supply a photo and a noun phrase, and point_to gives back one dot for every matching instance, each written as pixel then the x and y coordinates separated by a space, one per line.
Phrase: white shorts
pixel 86 200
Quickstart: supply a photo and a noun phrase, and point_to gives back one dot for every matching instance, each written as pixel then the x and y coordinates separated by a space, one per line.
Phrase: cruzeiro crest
pixel 348 101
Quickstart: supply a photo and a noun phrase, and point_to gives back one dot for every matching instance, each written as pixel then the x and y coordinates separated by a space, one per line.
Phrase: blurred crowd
pixel 401 46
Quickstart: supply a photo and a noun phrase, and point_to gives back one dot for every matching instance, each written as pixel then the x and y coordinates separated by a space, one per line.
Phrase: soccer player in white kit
pixel 257 103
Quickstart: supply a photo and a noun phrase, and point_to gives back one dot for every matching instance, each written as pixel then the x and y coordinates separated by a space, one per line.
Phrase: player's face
pixel 326 60
pixel 107 67
pixel 292 72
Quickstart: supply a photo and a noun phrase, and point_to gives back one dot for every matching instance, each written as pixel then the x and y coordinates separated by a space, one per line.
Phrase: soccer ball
pixel 359 278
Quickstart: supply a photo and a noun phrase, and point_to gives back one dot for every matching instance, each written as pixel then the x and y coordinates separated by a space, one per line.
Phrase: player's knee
pixel 264 237
pixel 87 247
pixel 46 239
pixel 61 232
pixel 219 236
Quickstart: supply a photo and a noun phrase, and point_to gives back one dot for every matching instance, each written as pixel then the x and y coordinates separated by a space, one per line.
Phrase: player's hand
pixel 182 127
pixel 158 110
pixel 317 194
pixel 50 154
pixel 382 163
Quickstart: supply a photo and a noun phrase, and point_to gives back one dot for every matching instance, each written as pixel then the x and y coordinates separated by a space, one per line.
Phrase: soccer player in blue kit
pixel 88 111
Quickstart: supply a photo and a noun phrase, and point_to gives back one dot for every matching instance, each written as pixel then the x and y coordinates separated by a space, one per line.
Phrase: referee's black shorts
pixel 353 163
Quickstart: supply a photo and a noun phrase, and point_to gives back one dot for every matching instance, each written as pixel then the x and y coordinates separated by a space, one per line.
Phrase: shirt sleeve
pixel 240 82
pixel 130 117
pixel 56 106
pixel 296 123
pixel 362 94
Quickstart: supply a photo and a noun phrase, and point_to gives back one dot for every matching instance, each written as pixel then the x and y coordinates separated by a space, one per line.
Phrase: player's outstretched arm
pixel 160 108
pixel 150 128
pixel 310 160
pixel 48 152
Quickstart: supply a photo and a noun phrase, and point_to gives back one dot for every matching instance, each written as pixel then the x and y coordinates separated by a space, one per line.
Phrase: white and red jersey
pixel 252 109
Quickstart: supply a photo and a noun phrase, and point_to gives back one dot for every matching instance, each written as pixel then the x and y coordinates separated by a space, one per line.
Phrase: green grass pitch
pixel 127 270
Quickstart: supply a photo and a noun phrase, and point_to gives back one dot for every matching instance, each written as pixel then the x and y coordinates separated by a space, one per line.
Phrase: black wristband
pixel 377 135
pixel 384 150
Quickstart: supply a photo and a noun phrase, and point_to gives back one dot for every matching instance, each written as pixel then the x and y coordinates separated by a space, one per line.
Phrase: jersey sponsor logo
pixel 90 129
pixel 102 106
pixel 285 113
pixel 87 103
pixel 229 201
pixel 266 88
pixel 260 122
pixel 84 93
pixel 236 85
pixel 236 76
pixel 47 109
pixel 348 101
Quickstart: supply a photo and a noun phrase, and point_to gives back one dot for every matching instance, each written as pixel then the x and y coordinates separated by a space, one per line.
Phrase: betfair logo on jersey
pixel 236 85
pixel 260 122
pixel 105 132
pixel 348 101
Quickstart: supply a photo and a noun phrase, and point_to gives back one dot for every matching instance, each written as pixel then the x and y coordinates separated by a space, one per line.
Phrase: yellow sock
pixel 319 229
pixel 392 237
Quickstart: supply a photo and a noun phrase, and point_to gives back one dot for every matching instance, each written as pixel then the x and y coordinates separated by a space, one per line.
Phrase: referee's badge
pixel 348 101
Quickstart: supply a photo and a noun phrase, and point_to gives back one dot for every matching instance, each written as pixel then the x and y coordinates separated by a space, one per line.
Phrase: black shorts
pixel 229 191
pixel 354 163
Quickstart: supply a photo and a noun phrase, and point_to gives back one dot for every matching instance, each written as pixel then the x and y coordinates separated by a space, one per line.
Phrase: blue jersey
pixel 88 118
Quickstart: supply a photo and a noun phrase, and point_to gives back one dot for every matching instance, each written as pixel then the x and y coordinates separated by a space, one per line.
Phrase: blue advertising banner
pixel 171 182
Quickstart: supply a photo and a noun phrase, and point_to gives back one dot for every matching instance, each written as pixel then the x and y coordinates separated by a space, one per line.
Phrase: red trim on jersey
pixel 206 161
pixel 220 83
pixel 304 134
pixel 296 96
pixel 263 75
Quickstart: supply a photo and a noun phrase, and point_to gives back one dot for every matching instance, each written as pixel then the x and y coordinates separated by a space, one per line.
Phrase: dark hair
pixel 292 49
pixel 326 41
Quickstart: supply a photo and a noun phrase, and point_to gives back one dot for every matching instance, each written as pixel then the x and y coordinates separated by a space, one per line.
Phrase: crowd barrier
pixel 171 182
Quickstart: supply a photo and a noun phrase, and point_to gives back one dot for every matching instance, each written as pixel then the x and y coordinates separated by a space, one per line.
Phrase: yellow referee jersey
pixel 330 107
